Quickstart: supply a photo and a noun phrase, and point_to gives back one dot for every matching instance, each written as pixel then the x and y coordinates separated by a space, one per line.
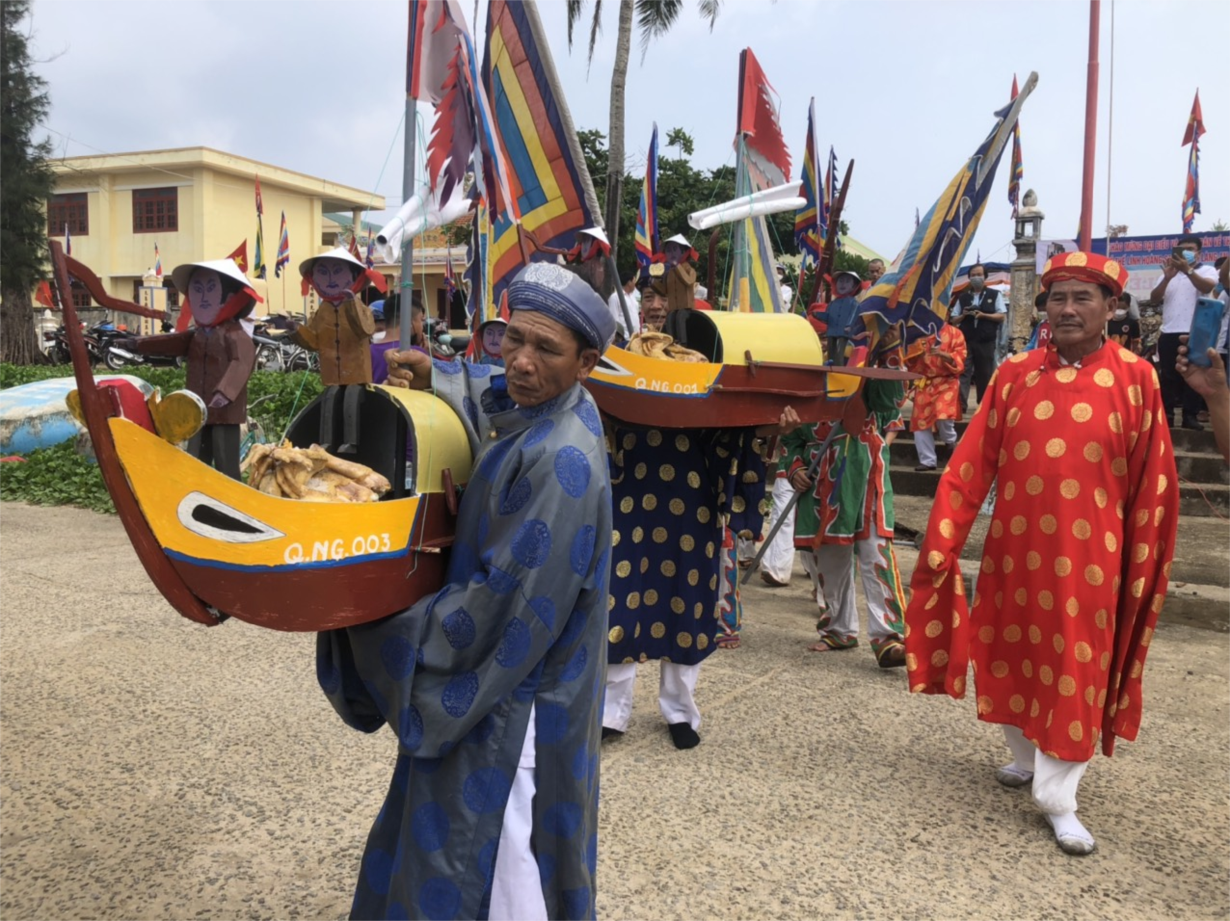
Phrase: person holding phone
pixel 1210 382
pixel 1184 281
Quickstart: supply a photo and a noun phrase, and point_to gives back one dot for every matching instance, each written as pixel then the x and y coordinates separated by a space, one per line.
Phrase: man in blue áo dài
pixel 674 492
pixel 493 685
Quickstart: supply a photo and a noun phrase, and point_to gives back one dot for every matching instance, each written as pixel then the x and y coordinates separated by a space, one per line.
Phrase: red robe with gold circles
pixel 1075 565
pixel 935 396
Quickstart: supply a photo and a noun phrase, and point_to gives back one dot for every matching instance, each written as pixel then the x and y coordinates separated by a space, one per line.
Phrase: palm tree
pixel 653 18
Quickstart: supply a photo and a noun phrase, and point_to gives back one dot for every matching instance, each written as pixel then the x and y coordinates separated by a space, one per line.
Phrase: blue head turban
pixel 564 297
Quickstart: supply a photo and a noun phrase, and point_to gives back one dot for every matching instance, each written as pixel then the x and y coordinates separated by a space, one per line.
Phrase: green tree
pixel 677 137
pixel 654 18
pixel 26 185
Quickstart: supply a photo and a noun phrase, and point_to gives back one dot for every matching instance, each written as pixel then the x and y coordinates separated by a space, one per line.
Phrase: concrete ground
pixel 152 768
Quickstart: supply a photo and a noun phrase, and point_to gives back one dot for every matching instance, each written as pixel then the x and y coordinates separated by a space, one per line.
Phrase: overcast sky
pixel 906 89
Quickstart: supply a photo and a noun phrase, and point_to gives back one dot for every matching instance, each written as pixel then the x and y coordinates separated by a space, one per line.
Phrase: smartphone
pixel 1177 252
pixel 1206 324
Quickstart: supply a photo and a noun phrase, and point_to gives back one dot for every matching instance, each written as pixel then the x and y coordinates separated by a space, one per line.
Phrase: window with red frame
pixel 71 209
pixel 155 210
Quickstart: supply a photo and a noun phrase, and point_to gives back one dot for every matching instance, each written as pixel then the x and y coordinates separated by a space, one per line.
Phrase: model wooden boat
pixel 215 547
pixel 758 364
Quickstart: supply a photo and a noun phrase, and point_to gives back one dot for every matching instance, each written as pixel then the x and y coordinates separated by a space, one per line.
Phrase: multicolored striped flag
pixel 548 189
pixel 807 220
pixel 914 297
pixel 1191 195
pixel 283 249
pixel 1017 170
pixel 157 262
pixel 258 265
pixel 647 211
pixel 763 162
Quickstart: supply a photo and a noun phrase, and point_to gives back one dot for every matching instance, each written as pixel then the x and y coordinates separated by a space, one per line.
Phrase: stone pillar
pixel 1024 272
pixel 154 297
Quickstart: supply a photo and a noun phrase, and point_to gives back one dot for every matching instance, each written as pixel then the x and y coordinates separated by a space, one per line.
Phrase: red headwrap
pixel 1088 267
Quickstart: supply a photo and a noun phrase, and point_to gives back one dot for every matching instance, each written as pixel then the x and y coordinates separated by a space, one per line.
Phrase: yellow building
pixel 194 203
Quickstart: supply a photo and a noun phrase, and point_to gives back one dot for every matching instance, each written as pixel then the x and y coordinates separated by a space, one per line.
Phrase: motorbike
pixel 117 355
pixel 97 340
pixel 276 352
pixel 442 343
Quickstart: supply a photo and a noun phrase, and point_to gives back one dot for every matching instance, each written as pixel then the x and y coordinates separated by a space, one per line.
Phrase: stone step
pixel 1183 439
pixel 1195 467
pixel 1204 500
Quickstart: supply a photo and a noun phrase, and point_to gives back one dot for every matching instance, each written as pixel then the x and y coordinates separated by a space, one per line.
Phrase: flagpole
pixel 407 242
pixel 1091 127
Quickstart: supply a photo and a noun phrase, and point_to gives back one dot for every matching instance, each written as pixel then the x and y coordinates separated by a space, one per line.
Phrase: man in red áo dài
pixel 935 396
pixel 1076 563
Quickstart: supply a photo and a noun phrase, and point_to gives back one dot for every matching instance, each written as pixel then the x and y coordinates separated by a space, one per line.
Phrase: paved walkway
pixel 152 768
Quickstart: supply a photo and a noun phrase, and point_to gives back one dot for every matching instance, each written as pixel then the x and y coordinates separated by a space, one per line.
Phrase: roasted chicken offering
pixel 311 474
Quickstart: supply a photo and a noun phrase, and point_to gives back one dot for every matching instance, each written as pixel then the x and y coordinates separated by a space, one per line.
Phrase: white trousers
pixel 835 563
pixel 1055 781
pixel 808 559
pixel 516 887
pixel 924 441
pixel 778 559
pixel 676 694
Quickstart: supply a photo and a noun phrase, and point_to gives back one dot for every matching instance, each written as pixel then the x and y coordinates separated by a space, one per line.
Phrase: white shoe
pixel 1071 836
pixel 1012 776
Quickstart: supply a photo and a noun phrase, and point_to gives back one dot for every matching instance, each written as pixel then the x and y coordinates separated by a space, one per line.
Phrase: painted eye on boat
pixel 207 517
pixel 610 367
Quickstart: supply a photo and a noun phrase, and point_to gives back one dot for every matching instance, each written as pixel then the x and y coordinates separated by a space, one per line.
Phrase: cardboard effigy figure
pixel 220 355
pixel 678 256
pixel 340 332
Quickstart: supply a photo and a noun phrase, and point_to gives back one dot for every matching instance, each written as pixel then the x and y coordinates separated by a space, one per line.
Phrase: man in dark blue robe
pixel 493 686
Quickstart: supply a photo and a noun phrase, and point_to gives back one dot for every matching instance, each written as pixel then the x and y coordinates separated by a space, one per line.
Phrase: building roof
pixel 334 195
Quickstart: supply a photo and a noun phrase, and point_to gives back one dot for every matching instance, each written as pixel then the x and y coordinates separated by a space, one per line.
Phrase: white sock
pixel 1071 835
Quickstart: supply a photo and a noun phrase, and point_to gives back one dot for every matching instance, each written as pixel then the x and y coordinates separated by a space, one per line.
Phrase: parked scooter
pixel 118 352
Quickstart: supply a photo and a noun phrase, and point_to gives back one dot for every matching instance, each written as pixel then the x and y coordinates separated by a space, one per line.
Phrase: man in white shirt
pixel 633 299
pixel 1184 281
pixel 785 290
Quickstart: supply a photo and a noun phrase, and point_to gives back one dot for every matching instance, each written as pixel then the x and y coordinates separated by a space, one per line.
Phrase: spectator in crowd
pixel 979 312
pixel 1183 281
pixel 1122 328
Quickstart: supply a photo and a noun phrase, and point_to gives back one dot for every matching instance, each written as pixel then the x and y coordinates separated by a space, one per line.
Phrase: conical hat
pixel 340 252
pixel 226 267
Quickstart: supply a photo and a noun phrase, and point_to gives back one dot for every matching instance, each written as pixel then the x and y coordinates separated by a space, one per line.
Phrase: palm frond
pixel 574 13
pixel 655 18
pixel 709 10
pixel 594 29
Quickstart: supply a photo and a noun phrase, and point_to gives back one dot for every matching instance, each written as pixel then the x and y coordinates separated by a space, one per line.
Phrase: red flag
pixel 42 295
pixel 240 256
pixel 260 207
pixel 1195 123
pixel 758 124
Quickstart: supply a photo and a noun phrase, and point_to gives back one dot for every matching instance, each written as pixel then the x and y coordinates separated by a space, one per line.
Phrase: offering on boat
pixel 312 475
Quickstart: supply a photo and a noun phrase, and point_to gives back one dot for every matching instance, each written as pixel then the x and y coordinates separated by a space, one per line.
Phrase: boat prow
pixel 759 364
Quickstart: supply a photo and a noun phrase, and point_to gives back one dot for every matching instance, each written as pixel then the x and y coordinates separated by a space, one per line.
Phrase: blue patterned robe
pixel 521 623
pixel 671 490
